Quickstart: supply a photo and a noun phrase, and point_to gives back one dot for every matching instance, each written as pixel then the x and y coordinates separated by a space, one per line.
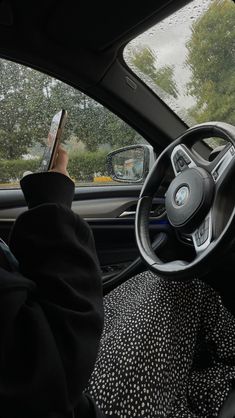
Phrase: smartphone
pixel 53 140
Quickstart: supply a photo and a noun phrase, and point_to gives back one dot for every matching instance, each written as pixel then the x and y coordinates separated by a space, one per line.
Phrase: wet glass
pixel 28 101
pixel 188 60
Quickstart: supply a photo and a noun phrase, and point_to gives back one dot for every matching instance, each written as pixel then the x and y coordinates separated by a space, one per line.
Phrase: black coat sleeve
pixel 51 312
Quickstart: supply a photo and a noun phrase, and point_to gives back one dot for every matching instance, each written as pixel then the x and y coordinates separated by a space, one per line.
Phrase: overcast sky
pixel 168 39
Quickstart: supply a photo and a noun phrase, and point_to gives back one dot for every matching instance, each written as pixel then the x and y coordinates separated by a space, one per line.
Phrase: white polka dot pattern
pixel 167 350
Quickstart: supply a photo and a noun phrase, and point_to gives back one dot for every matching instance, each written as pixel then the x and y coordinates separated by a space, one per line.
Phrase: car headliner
pixel 73 35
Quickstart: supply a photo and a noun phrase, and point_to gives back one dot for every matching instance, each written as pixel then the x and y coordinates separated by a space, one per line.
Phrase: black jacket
pixel 51 312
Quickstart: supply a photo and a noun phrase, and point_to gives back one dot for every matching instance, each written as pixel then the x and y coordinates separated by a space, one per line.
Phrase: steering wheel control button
pixel 181 161
pixel 183 155
pixel 222 165
pixel 181 195
pixel 188 200
pixel 202 229
pixel 215 175
pixel 201 235
pixel 175 160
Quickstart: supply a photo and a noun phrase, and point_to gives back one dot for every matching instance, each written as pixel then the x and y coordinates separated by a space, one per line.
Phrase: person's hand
pixel 61 162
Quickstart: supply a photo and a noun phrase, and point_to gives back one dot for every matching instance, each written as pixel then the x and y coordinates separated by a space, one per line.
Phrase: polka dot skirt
pixel 167 350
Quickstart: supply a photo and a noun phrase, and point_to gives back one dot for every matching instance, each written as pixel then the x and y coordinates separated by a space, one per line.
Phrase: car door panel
pixel 110 211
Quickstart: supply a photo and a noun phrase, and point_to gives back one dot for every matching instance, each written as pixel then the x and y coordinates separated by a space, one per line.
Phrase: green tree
pixel 28 101
pixel 24 106
pixel 145 60
pixel 211 58
pixel 112 130
pixel 90 122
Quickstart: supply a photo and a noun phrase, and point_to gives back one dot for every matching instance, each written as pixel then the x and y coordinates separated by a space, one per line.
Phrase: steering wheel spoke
pixel 182 158
pixel 222 165
pixel 202 236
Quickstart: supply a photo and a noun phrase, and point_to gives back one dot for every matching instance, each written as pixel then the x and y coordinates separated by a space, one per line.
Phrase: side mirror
pixel 130 164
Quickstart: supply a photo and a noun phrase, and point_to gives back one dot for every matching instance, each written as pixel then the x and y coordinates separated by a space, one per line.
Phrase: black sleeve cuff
pixel 48 187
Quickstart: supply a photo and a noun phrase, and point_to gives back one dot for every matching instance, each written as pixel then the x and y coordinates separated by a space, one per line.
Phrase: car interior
pixel 138 223
pixel 87 53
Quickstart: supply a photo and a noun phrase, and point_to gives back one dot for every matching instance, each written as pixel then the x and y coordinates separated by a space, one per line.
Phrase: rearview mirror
pixel 130 164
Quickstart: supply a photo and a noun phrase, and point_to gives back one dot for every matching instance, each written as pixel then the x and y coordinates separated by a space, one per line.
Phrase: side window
pixel 28 101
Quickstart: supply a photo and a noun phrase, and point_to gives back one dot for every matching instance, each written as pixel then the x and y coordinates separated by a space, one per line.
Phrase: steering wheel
pixel 200 201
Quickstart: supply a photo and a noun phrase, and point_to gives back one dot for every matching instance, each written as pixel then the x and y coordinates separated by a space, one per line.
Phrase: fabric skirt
pixel 167 350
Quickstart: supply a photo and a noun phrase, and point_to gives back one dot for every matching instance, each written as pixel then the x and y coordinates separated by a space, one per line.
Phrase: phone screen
pixel 53 138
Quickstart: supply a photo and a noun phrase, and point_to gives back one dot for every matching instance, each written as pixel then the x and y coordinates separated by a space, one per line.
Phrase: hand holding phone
pixel 53 140
pixel 61 162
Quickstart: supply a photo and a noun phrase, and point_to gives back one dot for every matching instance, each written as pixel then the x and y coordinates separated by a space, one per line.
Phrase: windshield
pixel 188 59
